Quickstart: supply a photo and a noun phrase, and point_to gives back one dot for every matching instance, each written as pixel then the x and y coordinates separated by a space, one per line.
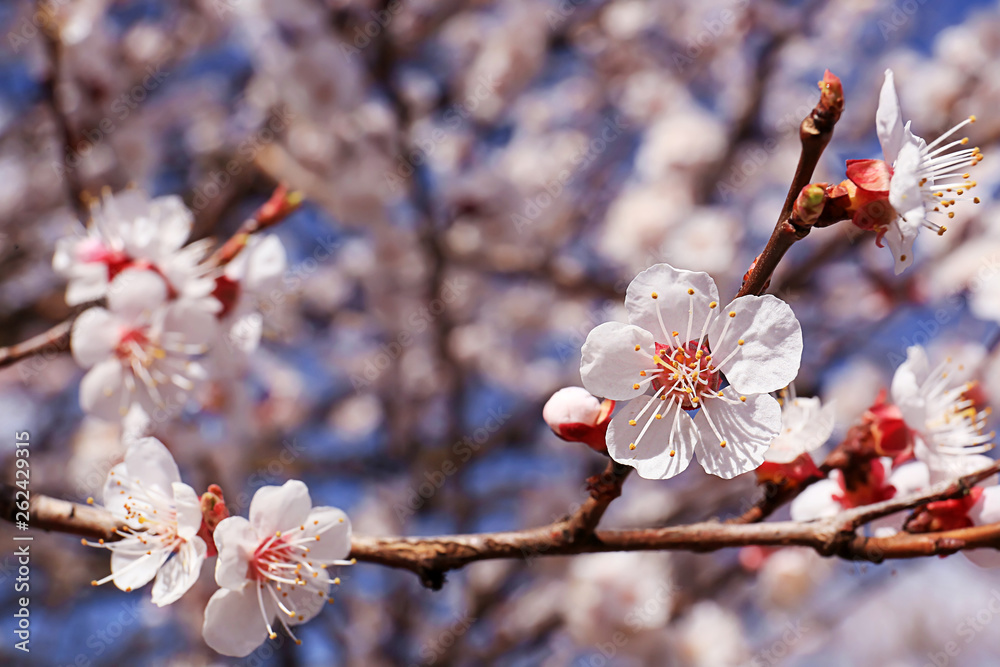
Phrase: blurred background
pixel 483 179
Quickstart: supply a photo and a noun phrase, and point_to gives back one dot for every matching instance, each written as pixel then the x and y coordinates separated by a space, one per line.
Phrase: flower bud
pixel 809 204
pixel 796 471
pixel 213 510
pixel 575 415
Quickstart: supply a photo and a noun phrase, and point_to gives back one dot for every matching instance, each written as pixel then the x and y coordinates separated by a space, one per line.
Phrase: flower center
pixel 686 373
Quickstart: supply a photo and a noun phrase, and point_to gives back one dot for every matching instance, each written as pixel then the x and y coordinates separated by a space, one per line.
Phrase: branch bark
pixel 815 133
pixel 432 557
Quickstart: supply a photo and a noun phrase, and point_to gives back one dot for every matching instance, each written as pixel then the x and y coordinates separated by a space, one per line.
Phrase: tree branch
pixel 56 338
pixel 815 133
pixel 431 557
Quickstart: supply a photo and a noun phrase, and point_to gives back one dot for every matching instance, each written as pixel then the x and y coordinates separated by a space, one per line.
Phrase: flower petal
pixel 746 427
pixel 906 383
pixel 889 119
pixel 772 351
pixel 910 478
pixel 307 601
pixel 816 502
pixel 610 364
pixel 651 456
pixel 179 573
pixel 333 528
pixel 236 541
pixel 672 299
pixel 101 391
pixel 94 337
pixel 188 507
pixel 135 569
pixel 275 508
pixel 987 508
pixel 136 291
pixel 151 465
pixel 233 624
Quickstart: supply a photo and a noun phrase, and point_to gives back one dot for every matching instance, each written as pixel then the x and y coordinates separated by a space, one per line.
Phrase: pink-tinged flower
pixel 935 404
pixel 806 425
pixel 890 436
pixel 128 230
pixel 162 515
pixel 919 180
pixel 248 280
pixel 681 345
pixel 142 349
pixel 869 483
pixel 576 415
pixel 273 566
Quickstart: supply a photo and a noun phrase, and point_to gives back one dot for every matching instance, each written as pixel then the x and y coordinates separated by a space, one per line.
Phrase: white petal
pixel 89 284
pixel 150 463
pixel 889 119
pixel 651 456
pixel 245 333
pixel 334 531
pixel 266 264
pixel 306 602
pixel 113 498
pixel 805 425
pixel 275 508
pixel 233 624
pixel 910 375
pixel 94 336
pixel 571 405
pixel 610 364
pixel 102 389
pixel 671 287
pixel 136 291
pixel 188 507
pixel 900 245
pixel 910 478
pixel 135 570
pixel 772 351
pixel 987 508
pixel 746 427
pixel 179 573
pixel 236 541
pixel 817 502
pixel 173 222
pixel 190 320
pixel 985 558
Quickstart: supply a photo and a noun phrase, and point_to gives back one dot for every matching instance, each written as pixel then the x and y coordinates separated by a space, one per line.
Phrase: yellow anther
pixel 722 444
pixel 631 445
pixel 732 313
pixel 635 386
pixel 714 304
pixel 658 416
pixel 638 347
pixel 90 500
pixel 743 398
pixel 631 422
pixel 642 373
pixel 690 291
pixel 672 452
pixel 655 295
pixel 740 341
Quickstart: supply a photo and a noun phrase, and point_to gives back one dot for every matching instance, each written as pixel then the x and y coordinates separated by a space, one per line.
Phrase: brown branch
pixel 431 557
pixel 55 339
pixel 814 133
pixel 604 488
pixel 279 206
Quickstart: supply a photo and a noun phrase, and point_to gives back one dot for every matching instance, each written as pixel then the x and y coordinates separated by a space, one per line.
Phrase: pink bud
pixel 213 511
pixel 574 414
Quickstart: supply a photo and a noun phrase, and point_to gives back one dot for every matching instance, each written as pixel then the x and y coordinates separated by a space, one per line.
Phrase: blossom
pixel 869 483
pixel 574 414
pixel 937 407
pixel 128 230
pixel 249 278
pixel 141 349
pixel 890 436
pixel 754 344
pixel 917 179
pixel 273 566
pixel 806 425
pixel 162 516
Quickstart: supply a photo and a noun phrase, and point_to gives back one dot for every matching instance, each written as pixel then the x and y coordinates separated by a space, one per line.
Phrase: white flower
pixel 162 515
pixel 140 350
pixel 273 566
pixel 805 426
pixel 128 230
pixel 755 341
pixel 252 277
pixel 935 406
pixel 925 177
